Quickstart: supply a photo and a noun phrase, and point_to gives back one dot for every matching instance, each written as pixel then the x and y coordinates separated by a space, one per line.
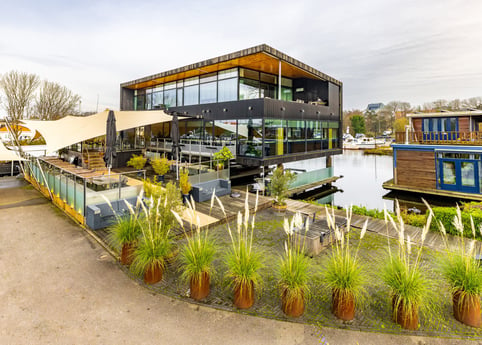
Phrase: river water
pixel 363 176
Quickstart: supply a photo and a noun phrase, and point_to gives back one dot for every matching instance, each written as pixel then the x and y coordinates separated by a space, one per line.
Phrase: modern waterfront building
pixel 441 154
pixel 269 108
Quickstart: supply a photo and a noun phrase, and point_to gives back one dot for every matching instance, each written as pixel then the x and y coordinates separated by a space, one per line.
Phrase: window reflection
pixel 274 137
pixel 250 137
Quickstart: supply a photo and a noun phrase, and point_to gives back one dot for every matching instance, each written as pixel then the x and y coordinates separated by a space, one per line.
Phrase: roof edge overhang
pixel 263 48
pixel 447 114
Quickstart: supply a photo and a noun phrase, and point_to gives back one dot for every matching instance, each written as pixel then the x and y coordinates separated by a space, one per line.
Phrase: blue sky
pixel 415 51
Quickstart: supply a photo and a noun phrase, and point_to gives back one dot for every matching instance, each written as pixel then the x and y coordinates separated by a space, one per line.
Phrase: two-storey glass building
pixel 267 106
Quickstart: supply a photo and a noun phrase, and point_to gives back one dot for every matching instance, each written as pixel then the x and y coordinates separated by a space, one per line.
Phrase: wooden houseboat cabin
pixel 439 153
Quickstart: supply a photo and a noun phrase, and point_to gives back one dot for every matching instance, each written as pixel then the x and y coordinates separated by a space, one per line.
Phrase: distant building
pixel 375 107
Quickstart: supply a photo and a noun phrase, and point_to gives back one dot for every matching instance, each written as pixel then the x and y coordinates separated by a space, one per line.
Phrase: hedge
pixel 446 216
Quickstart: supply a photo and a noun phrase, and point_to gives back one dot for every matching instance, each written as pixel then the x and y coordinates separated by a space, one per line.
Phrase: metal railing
pixel 194 147
pixel 77 191
pixel 451 137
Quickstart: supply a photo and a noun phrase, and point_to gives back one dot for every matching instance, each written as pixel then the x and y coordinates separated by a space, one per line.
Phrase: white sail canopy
pixel 74 129
pixel 8 155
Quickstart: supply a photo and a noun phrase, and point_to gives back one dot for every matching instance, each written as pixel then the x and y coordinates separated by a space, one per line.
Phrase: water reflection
pixel 361 185
pixel 363 176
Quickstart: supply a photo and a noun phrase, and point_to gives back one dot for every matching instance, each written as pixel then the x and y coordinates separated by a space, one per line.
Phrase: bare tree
pixel 55 101
pixel 440 104
pixel 19 91
pixel 455 105
pixel 473 103
pixel 390 111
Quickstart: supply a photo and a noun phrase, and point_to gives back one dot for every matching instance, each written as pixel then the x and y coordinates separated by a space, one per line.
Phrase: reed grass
pixel 294 265
pixel 409 282
pixel 344 273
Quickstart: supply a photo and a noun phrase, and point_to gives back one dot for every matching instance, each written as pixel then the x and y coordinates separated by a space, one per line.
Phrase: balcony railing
pixel 439 138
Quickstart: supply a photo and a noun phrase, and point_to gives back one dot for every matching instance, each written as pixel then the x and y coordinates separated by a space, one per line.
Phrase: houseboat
pixel 439 153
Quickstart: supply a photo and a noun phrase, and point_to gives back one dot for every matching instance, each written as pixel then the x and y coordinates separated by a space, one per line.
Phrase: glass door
pixel 459 175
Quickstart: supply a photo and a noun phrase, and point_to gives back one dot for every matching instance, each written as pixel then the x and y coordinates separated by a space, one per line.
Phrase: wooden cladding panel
pixel 417 125
pixel 416 169
pixel 464 124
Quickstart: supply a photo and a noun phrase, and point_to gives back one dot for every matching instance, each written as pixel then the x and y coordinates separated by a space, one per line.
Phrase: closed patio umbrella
pixel 110 139
pixel 176 149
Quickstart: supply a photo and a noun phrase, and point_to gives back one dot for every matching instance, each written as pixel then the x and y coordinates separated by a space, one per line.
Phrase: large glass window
pixel 248 89
pixel 157 100
pixel 225 130
pixel 268 90
pixel 448 172
pixel 286 94
pixel 191 95
pixel 148 105
pixel 250 137
pixel 228 90
pixel 468 173
pixel 179 97
pixel 274 137
pixel 170 98
pixel 296 136
pixel 207 93
pixel 313 135
pixel 228 73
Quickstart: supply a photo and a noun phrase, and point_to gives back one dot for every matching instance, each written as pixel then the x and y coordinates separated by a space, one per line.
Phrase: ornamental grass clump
pixel 404 274
pixel 197 255
pixel 344 274
pixel 463 273
pixel 294 268
pixel 243 260
pixel 125 232
pixel 155 244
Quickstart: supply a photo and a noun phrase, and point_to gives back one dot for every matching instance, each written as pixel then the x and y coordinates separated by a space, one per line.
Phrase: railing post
pixel 406 134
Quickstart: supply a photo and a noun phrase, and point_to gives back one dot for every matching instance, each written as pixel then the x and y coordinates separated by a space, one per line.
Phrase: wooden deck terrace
pixel 440 138
pixel 232 205
pixel 75 170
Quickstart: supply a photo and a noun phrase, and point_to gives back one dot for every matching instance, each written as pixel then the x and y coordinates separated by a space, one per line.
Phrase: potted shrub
pixel 407 279
pixel 155 245
pixel 294 268
pixel 243 260
pixel 161 167
pixel 197 259
pixel 137 162
pixel 344 273
pixel 184 184
pixel 222 156
pixel 280 183
pixel 464 275
pixel 124 233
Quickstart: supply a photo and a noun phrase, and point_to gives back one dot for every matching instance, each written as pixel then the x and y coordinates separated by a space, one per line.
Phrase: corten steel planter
pixel 403 318
pixel 127 253
pixel 153 274
pixel 343 306
pixel 280 208
pixel 200 289
pixel 293 308
pixel 244 295
pixel 468 310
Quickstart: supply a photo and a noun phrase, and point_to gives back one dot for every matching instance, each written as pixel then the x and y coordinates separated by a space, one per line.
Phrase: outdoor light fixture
pixel 283 109
pixel 225 110
pixel 302 110
pixel 250 108
pixel 317 112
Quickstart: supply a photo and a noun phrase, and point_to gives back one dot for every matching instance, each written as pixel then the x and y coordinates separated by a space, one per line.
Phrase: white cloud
pixel 416 51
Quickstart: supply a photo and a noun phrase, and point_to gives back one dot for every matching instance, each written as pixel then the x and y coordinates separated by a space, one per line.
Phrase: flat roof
pixel 446 113
pixel 262 58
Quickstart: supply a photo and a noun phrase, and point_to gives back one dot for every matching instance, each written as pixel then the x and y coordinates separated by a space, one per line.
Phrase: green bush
pixel 363 211
pixel 446 215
